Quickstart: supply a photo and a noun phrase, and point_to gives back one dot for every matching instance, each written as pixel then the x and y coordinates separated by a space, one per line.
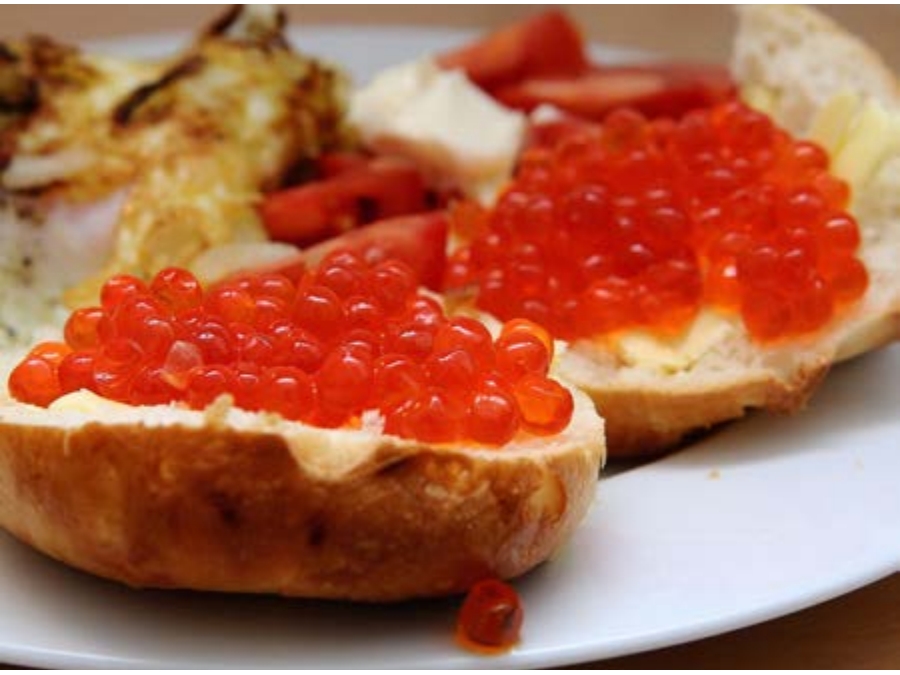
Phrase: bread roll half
pixel 227 500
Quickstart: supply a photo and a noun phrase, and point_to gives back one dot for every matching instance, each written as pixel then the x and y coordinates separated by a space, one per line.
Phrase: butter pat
pixel 858 135
pixel 759 97
pixel 84 401
pixel 672 355
pixel 831 123
pixel 875 135
pixel 439 119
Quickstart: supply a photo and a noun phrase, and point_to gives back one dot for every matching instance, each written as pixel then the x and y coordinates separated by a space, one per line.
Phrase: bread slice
pixel 811 77
pixel 227 500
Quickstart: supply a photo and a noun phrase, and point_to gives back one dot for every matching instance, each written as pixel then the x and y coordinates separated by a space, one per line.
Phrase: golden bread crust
pixel 234 510
pixel 650 420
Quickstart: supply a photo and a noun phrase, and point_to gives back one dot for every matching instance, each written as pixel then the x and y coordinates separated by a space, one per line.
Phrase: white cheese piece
pixel 439 119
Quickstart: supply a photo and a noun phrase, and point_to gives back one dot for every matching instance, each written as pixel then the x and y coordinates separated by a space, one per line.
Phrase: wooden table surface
pixel 859 630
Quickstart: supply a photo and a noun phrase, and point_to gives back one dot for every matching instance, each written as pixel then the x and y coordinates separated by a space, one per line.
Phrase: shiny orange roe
pixel 348 337
pixel 639 223
pixel 490 619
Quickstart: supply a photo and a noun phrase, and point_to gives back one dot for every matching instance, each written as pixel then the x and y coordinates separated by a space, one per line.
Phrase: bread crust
pixel 650 420
pixel 226 509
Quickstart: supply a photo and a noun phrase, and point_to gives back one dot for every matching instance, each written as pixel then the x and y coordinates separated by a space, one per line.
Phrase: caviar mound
pixel 638 224
pixel 228 500
pixel 349 337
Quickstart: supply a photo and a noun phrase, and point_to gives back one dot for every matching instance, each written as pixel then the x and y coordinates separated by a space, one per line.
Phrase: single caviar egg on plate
pixel 638 223
pixel 490 618
pixel 346 338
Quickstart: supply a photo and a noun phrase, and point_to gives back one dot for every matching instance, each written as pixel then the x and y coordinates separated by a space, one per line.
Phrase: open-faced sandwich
pixel 332 434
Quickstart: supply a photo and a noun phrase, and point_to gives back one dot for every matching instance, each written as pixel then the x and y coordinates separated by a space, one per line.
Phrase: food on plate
pixel 712 263
pixel 339 438
pixel 296 415
pixel 119 165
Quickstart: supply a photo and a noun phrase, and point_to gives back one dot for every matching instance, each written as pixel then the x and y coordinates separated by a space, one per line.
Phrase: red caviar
pixel 346 338
pixel 639 223
pixel 490 619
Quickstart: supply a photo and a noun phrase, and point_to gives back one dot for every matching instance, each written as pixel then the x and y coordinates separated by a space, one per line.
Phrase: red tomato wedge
pixel 544 45
pixel 353 195
pixel 668 90
pixel 418 240
pixel 333 164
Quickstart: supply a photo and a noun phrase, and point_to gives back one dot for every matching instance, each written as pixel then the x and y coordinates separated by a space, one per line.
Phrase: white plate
pixel 763 518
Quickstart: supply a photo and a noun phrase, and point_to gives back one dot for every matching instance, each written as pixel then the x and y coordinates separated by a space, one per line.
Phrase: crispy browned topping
pixel 195 139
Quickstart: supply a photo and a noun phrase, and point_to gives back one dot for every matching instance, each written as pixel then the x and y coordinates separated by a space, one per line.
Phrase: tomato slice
pixel 666 90
pixel 544 45
pixel 418 240
pixel 353 195
pixel 333 164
